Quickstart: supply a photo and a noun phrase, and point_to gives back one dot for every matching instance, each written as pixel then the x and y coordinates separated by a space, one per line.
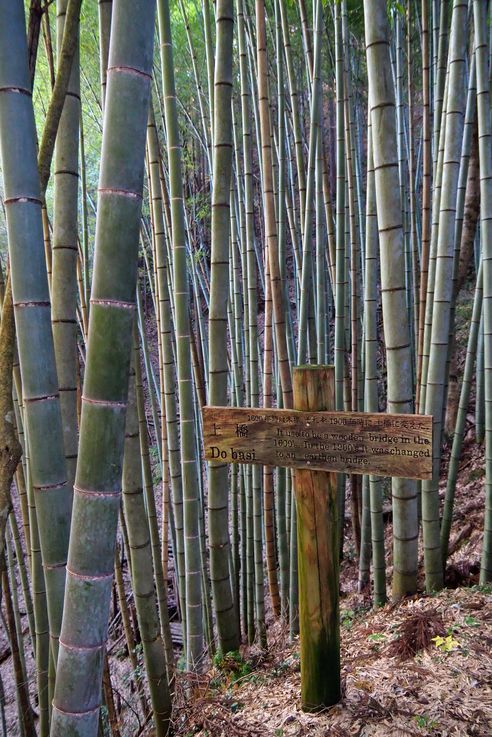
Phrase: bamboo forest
pixel 245 368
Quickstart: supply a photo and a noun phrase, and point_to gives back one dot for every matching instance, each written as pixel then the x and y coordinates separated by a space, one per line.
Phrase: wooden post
pixel 318 561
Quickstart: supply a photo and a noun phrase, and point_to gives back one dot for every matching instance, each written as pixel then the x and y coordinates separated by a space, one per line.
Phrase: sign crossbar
pixel 350 442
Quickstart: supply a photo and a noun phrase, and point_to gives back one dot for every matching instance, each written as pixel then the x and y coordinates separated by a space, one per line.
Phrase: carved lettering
pixel 379 444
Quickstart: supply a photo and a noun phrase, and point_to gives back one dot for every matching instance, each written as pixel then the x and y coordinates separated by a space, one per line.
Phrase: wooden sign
pixel 350 442
pixel 316 441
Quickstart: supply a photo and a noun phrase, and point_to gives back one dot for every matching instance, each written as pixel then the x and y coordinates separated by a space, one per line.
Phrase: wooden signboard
pixel 315 442
pixel 349 442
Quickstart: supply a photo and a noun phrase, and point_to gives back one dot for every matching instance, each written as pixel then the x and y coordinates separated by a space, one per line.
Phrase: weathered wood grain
pixel 350 442
pixel 317 556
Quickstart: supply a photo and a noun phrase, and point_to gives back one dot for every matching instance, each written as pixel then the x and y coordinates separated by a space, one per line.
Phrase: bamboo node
pixel 112 303
pixel 129 70
pixel 105 402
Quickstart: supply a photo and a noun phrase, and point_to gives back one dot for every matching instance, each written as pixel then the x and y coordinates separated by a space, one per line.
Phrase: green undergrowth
pixel 349 617
pixel 233 670
pixel 231 667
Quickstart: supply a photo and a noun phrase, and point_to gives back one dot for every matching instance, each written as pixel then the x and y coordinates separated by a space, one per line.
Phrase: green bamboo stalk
pixel 194 63
pixel 228 635
pixel 48 46
pixel 20 667
pixel 431 276
pixel 65 251
pixel 307 265
pixel 353 263
pixel 441 51
pixel 209 51
pixel 354 254
pixel 66 56
pixel 169 424
pixel 47 243
pixel 124 611
pixel 306 37
pixel 21 468
pixel 458 437
pixel 98 480
pixel 85 228
pixel 25 709
pixel 400 138
pixel 142 569
pixel 293 569
pixel 269 206
pixel 105 9
pixel 24 578
pixel 189 462
pixel 251 490
pixel 396 325
pixel 435 36
pixel 436 377
pixel 241 396
pixel 32 307
pixel 340 258
pixel 413 296
pixel 235 316
pixel 371 403
pixel 268 362
pixel 426 188
pixel 296 123
pixel 467 200
pixel 235 483
pixel 485 154
pixel 42 635
pixel 365 536
pixel 480 392
pixel 253 476
pixel 321 275
pixel 148 487
pixel 149 373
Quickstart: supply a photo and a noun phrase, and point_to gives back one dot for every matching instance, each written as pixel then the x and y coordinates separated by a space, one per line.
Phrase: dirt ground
pixel 396 679
pixel 443 690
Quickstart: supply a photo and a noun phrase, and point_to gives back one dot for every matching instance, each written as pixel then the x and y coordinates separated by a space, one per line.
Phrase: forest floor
pixel 440 690
pixel 396 678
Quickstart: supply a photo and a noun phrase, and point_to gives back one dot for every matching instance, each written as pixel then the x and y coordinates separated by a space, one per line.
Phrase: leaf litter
pixel 398 684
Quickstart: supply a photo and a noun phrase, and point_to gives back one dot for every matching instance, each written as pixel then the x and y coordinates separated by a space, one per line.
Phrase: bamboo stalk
pixel 98 480
pixel 219 542
pixel 458 436
pixel 396 324
pixel 485 154
pixel 436 378
pixel 26 711
pixel 32 309
pixel 142 569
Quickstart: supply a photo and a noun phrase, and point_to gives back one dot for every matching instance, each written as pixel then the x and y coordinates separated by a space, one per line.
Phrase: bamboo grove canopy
pixel 198 197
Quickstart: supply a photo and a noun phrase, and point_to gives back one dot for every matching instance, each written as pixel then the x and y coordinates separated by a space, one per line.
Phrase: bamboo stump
pixel 318 561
